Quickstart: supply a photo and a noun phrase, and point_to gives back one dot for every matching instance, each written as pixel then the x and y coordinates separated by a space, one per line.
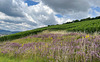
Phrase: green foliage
pixel 76 21
pixel 13 59
pixel 89 26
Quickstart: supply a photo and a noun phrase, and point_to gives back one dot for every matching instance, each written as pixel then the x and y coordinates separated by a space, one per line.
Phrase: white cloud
pixel 73 9
pixel 95 3
pixel 98 13
pixel 34 16
pixel 36 0
pixel 11 8
pixel 62 20
pixel 42 14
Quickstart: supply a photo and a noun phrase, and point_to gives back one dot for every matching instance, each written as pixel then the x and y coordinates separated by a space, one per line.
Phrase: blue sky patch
pixel 31 3
pixel 58 15
pixel 96 8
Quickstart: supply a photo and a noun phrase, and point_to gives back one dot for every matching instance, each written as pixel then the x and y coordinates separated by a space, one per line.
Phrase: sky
pixel 22 15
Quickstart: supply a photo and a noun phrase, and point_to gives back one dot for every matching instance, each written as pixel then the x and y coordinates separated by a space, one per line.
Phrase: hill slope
pixel 88 26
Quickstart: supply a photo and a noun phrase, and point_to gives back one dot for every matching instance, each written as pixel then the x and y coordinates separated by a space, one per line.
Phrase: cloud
pixel 11 8
pixel 15 20
pixel 67 6
pixel 36 0
pixel 42 14
pixel 25 17
pixel 62 20
pixel 95 3
pixel 72 9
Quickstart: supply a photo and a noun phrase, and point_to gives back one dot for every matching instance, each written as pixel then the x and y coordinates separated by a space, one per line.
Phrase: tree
pixel 76 21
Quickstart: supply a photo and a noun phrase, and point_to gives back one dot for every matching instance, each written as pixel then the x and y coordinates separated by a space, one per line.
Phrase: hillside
pixel 85 25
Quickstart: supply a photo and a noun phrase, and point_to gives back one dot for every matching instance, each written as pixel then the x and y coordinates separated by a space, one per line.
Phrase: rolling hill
pixel 88 25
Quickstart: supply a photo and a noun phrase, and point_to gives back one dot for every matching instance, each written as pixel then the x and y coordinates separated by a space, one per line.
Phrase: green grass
pixel 7 59
pixel 89 26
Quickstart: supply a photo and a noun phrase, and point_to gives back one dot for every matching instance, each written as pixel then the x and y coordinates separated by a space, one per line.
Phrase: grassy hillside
pixel 85 25
pixel 88 26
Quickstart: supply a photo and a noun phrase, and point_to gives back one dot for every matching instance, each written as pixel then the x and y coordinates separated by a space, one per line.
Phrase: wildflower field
pixel 52 46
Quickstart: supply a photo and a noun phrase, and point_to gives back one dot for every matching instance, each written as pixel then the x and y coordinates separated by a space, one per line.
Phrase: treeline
pixel 86 19
pixel 98 17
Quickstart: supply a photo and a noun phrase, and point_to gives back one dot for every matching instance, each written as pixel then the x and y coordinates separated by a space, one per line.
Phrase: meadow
pixel 52 46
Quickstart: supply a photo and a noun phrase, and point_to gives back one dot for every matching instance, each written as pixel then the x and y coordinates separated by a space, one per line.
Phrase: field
pixel 52 46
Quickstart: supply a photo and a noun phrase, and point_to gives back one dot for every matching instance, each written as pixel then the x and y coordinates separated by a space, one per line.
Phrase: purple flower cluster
pixel 69 47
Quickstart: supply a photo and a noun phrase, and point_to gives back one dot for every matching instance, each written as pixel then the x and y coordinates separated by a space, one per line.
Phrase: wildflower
pixel 35 47
pixel 46 45
pixel 39 47
pixel 28 51
pixel 4 52
pixel 22 45
pixel 83 37
pixel 51 41
pixel 51 38
pixel 15 45
pixel 61 43
pixel 87 36
pixel 78 47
